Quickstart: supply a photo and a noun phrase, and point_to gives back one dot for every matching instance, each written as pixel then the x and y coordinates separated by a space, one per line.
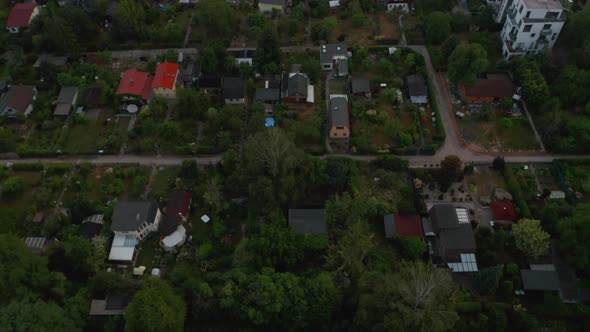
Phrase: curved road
pixel 452 145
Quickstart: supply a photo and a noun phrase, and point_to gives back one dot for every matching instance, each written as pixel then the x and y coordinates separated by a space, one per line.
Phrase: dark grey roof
pixel 117 301
pixel 417 85
pixel 360 85
pixel 443 216
pixel 342 65
pixel 58 61
pixel 234 88
pixel 264 94
pixel 308 221
pixel 339 111
pixel 92 97
pixel 297 85
pixel 389 225
pixel 90 229
pixel 329 51
pixel 209 82
pixel 129 215
pixel 112 9
pixel 273 2
pixel 67 95
pixel 246 53
pixel 540 280
pixel 461 237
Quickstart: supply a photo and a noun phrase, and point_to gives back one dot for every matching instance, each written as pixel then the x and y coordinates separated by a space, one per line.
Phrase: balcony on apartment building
pixel 542 43
pixel 512 47
pixel 550 17
pixel 545 32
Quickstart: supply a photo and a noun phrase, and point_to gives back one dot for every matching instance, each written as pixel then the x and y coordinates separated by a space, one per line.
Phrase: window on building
pixel 532 35
pixel 335 134
pixel 552 15
pixel 520 46
pixel 528 13
pixel 521 8
pixel 527 28
pixel 554 36
pixel 546 26
pixel 344 134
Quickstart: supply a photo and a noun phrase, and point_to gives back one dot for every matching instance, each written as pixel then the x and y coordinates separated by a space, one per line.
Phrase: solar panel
pixel 462 215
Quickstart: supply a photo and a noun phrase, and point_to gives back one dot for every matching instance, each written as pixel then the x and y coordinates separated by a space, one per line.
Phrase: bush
pixel 506 288
pixel 13 186
pixel 59 168
pixel 315 242
pixel 468 307
pixel 205 250
pixel 411 248
pixel 28 167
pixel 512 269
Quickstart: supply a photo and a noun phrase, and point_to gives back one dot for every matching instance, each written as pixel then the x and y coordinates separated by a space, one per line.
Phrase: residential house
pixel 36 244
pixel 296 88
pixel 489 90
pixel 244 55
pixel 132 221
pixel 210 83
pixel 234 90
pixel 54 60
pixel 135 84
pixel 417 89
pixel 401 5
pixel 92 97
pixel 172 228
pixel 21 16
pixel 335 56
pixel 113 304
pixel 189 74
pixel 66 101
pixel 338 119
pixel 308 221
pixel 269 6
pixel 164 82
pixel 454 241
pixel 267 96
pixel 543 278
pixel 360 87
pixel 530 26
pixel 503 212
pixel 399 225
pixel 18 100
pixel 92 226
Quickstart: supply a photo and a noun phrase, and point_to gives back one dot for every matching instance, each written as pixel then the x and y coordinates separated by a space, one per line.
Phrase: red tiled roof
pixel 408 226
pixel 20 15
pixel 490 88
pixel 165 75
pixel 135 82
pixel 503 211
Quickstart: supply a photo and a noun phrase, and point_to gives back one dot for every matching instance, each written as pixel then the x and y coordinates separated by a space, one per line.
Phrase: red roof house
pixel 135 83
pixel 503 211
pixel 403 226
pixel 21 16
pixel 164 84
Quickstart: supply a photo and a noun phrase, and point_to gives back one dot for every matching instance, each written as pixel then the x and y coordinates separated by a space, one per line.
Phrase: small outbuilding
pixel 308 221
pixel 361 87
pixel 397 225
pixel 66 101
pixel 503 211
pixel 417 89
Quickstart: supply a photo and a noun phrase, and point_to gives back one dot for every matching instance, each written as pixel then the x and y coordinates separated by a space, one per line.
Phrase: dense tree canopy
pixel 574 236
pixel 437 27
pixel 466 63
pixel 530 237
pixel 156 307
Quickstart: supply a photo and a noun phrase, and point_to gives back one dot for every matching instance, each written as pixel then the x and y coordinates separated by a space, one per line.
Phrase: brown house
pixel 489 90
pixel 338 119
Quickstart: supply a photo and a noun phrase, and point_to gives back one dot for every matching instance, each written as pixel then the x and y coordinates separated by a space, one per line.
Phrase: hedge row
pixel 516 190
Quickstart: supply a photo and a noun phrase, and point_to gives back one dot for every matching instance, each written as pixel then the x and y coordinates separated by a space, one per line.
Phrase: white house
pixel 331 53
pixel 132 221
pixel 401 5
pixel 530 26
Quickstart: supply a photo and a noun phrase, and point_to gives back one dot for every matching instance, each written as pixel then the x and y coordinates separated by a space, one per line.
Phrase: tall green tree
pixel 156 307
pixel 530 238
pixel 26 315
pixel 218 20
pixel 268 50
pixel 574 236
pixel 466 63
pixel 349 254
pixel 437 27
pixel 192 104
pixel 276 245
pixel 417 298
pixel 132 19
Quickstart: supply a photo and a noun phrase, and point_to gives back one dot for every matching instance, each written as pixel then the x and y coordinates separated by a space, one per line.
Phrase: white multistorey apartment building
pixel 530 26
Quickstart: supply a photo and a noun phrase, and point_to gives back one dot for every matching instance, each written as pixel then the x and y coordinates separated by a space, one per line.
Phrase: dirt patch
pixel 389 29
pixel 484 181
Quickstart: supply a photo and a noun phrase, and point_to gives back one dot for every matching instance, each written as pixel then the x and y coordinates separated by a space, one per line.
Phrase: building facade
pixel 530 26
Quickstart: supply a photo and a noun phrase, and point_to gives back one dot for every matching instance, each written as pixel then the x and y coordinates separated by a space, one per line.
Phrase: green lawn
pixel 24 200
pixel 498 134
pixel 338 87
pixel 148 253
pixel 91 135
pixel 164 181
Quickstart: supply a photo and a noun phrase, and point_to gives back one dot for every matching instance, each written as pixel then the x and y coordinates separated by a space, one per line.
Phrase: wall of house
pixel 398 6
pixel 235 101
pixel 268 8
pixel 12 29
pixel 295 99
pixel 164 92
pixel 339 133
pixel 529 30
